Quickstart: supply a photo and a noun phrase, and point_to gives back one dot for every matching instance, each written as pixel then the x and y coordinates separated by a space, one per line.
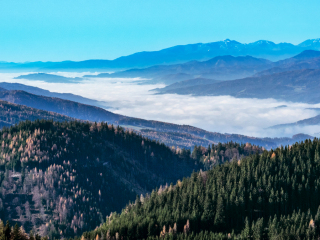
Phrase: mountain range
pixel 173 55
pixel 218 68
pixel 221 68
pixel 294 79
pixel 298 86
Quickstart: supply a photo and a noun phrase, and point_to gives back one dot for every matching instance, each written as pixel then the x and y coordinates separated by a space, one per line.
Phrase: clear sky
pixel 55 30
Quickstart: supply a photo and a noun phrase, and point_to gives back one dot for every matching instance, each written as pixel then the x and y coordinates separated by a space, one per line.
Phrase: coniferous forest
pixel 272 195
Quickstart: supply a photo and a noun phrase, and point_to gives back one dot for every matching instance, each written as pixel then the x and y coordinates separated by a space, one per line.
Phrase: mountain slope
pixel 299 86
pixel 308 59
pixel 64 178
pixel 65 107
pixel 220 68
pixel 46 93
pixel 274 195
pixel 11 114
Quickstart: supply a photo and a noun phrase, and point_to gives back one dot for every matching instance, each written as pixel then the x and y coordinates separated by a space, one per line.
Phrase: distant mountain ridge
pixel 174 55
pixel 48 78
pixel 11 114
pixel 46 93
pixel 293 79
pixel 309 59
pixel 298 86
pixel 305 122
pixel 220 68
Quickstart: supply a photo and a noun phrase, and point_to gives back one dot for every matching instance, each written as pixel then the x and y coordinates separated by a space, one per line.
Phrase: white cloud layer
pixel 223 114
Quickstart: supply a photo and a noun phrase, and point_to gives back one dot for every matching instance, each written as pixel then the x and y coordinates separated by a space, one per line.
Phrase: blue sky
pixel 55 30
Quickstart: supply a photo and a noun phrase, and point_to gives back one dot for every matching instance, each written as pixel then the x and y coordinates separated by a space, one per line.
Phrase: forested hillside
pixel 220 153
pixel 273 195
pixel 11 114
pixel 62 178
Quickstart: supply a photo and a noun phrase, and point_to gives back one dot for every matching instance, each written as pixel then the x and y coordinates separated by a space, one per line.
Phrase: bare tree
pixel 19 211
pixel 36 197
pixel 27 209
pixel 33 220
pixel 42 215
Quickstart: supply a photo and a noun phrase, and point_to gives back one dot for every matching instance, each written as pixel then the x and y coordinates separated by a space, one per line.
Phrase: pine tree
pixel 219 219
pixel 7 231
pixel 247 233
pixel 16 234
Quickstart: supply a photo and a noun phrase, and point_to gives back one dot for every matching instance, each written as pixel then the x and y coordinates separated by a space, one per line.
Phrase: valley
pixel 159 120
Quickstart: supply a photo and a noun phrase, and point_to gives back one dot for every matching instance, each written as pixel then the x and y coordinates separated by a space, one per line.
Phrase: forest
pixel 59 179
pixel 269 195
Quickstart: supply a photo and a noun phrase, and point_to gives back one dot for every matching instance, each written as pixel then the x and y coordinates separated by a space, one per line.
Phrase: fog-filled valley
pixel 224 114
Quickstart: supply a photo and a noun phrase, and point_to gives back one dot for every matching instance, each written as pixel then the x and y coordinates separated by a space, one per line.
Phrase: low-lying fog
pixel 223 114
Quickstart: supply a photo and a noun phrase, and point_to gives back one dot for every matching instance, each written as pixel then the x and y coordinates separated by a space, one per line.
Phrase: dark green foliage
pixel 272 195
pixel 63 178
pixel 14 233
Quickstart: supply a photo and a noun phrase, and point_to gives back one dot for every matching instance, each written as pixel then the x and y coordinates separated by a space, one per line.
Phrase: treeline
pixel 272 195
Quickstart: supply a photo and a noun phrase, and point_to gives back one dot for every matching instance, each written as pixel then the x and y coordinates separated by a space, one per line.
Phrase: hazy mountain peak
pixel 230 42
pixel 311 43
pixel 263 42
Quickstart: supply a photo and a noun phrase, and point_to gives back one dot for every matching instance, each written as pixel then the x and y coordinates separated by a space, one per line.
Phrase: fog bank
pixel 223 114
